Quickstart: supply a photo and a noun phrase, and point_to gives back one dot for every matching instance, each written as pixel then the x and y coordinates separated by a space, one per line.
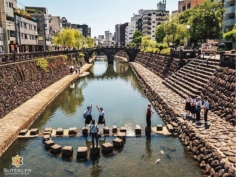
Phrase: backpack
pixel 210 106
pixel 84 114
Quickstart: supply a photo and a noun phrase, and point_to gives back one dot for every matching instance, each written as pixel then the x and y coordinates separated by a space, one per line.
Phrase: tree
pixel 231 35
pixel 205 21
pixel 160 33
pixel 137 38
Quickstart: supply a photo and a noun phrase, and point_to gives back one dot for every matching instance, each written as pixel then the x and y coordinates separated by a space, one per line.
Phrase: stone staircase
pixel 191 78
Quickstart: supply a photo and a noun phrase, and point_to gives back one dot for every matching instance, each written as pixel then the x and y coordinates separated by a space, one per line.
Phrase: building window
pixel 25 25
pixel 12 33
pixel 21 24
pixel 6 4
pixel 35 28
pixel 189 6
pixel 26 36
pixel 22 36
pixel 10 5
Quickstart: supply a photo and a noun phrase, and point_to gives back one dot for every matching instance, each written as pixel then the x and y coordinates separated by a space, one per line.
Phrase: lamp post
pixel 188 27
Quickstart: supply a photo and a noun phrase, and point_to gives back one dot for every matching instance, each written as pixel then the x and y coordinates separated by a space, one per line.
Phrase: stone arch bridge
pixel 110 52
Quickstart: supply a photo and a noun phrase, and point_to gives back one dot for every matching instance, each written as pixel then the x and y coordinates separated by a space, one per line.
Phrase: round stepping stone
pixel 121 135
pixel 55 149
pixel 118 142
pixel 48 144
pixel 48 129
pixel 137 130
pixel 94 150
pixel 82 152
pixel 123 129
pixel 84 130
pixel 107 147
pixel 73 131
pixel 67 151
pixel 106 130
pixel 114 129
pixel 159 127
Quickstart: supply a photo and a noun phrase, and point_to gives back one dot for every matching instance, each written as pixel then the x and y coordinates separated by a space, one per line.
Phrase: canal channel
pixel 115 88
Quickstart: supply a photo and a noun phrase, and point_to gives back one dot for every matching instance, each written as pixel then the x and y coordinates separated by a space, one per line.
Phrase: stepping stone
pixel 59 131
pixel 46 138
pixel 114 129
pixel 48 144
pixel 67 151
pixel 73 130
pixel 159 127
pixel 84 130
pixel 23 132
pixel 170 128
pixel 106 130
pixel 55 149
pixel 137 130
pixel 118 142
pixel 82 152
pixel 148 131
pixel 107 147
pixel 123 129
pixel 121 135
pixel 34 131
pixel 48 129
pixel 94 150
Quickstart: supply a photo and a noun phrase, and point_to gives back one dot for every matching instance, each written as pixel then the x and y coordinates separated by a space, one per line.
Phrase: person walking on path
pixel 148 115
pixel 93 132
pixel 188 105
pixel 88 115
pixel 206 108
pixel 193 107
pixel 101 118
pixel 198 109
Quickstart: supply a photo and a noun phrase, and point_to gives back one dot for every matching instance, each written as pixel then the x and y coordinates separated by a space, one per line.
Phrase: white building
pixel 108 38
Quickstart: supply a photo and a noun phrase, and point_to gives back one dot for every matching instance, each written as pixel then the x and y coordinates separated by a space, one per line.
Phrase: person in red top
pixel 148 115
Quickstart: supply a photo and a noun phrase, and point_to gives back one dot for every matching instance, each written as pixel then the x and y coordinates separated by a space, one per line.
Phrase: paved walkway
pixel 23 116
pixel 220 134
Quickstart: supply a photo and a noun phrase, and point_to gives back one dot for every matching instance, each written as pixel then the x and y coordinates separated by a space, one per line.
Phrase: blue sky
pixel 100 15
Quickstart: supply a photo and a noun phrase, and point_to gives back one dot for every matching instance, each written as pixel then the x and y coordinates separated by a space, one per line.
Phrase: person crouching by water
pixel 148 115
pixel 101 118
pixel 93 131
pixel 88 115
pixel 198 109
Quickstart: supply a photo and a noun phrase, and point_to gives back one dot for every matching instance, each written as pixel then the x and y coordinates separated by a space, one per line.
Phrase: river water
pixel 115 88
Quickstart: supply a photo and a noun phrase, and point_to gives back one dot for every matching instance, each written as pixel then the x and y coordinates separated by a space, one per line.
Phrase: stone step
pixel 202 71
pixel 205 67
pixel 201 81
pixel 179 92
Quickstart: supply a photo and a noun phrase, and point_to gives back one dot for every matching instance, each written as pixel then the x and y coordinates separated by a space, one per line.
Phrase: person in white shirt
pixel 101 118
pixel 198 109
pixel 206 108
pixel 88 115
pixel 149 113
pixel 93 131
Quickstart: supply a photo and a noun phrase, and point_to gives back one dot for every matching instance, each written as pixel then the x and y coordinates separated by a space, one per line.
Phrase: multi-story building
pixel 43 30
pixel 7 23
pixel 64 23
pixel 188 4
pixel 117 34
pixel 1 40
pixel 229 15
pixel 55 24
pixel 89 31
pixel 100 39
pixel 108 39
pixel 122 33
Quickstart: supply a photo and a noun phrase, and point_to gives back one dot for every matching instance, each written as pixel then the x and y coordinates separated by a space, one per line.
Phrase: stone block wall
pixel 122 53
pixel 162 66
pixel 21 81
pixel 220 90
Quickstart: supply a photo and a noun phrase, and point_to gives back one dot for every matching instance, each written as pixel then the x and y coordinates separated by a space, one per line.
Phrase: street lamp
pixel 188 27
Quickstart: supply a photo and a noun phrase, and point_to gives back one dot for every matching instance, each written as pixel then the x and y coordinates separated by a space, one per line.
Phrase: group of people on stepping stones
pixel 194 105
pixel 93 127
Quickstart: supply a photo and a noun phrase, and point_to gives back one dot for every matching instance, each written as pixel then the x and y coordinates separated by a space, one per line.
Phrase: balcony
pixel 230 10
pixel 229 1
pixel 229 22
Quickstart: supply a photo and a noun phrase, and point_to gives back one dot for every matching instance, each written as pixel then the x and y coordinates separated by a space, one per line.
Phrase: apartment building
pixel 117 34
pixel 188 4
pixel 43 30
pixel 108 40
pixel 1 40
pixel 229 15
pixel 55 24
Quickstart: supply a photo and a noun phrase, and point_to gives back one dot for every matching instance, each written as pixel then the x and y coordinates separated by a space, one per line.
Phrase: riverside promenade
pixel 24 115
pixel 216 144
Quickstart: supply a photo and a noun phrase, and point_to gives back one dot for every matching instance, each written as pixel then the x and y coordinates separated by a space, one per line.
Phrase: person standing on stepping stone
pixel 94 131
pixel 198 109
pixel 88 115
pixel 148 115
pixel 101 118
pixel 206 108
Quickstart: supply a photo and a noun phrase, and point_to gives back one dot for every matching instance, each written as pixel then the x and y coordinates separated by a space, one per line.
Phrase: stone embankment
pixel 24 115
pixel 212 145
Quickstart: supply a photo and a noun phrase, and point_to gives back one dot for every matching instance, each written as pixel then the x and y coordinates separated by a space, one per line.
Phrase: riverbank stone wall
pixel 21 81
pixel 213 147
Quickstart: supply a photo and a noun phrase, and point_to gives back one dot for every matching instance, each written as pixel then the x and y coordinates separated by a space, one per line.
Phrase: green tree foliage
pixel 137 38
pixel 72 38
pixel 205 21
pixel 160 33
pixel 231 35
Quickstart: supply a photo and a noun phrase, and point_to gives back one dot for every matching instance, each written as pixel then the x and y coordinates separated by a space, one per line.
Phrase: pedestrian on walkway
pixel 188 105
pixel 193 107
pixel 148 115
pixel 206 108
pixel 88 115
pixel 101 118
pixel 198 109
pixel 93 132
